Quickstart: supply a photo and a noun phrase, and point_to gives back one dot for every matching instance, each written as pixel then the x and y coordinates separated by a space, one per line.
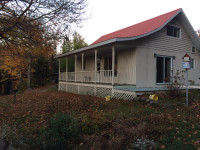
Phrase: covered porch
pixel 104 65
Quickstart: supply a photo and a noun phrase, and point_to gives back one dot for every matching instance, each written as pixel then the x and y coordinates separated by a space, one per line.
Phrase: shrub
pixel 89 125
pixel 10 139
pixel 62 132
pixel 176 83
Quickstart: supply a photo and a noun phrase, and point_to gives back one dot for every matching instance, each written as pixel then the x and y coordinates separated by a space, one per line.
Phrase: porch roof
pixel 140 30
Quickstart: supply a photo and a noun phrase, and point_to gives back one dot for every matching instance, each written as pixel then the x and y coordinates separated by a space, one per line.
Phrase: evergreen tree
pixel 77 42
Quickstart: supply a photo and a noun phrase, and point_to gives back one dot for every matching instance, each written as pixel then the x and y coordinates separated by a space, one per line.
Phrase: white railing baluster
pixel 103 76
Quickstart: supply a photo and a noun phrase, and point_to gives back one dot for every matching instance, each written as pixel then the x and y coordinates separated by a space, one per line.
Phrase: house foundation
pixel 96 90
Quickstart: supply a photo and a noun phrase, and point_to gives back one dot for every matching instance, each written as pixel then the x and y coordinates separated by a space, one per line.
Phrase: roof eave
pixel 192 32
pixel 149 33
pixel 86 48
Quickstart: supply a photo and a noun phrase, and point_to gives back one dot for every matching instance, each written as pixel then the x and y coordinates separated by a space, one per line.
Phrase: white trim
pixel 95 65
pixel 113 63
pixel 82 64
pixel 85 84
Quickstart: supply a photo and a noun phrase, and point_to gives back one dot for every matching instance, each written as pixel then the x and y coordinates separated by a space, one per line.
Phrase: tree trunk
pixel 29 72
pixel 14 98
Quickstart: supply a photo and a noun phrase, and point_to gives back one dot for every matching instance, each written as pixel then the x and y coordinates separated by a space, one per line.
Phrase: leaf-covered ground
pixel 115 124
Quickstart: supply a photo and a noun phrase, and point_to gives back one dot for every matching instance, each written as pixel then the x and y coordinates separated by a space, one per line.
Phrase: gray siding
pixel 126 67
pixel 160 41
pixel 161 44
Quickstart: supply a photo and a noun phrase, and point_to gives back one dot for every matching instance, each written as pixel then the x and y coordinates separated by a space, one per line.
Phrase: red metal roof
pixel 140 28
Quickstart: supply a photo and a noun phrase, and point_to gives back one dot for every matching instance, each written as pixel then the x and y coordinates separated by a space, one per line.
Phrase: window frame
pixel 192 61
pixel 171 68
pixel 173 34
pixel 193 48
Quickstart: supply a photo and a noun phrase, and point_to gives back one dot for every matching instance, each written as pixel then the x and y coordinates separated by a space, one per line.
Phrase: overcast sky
pixel 107 16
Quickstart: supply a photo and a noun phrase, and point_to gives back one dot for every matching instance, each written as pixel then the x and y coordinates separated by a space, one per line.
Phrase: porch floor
pixel 136 89
pixel 147 89
pixel 133 88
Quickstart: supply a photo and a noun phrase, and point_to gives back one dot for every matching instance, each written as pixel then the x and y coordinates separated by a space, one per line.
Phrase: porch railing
pixel 102 76
pixel 85 76
pixel 62 76
pixel 70 76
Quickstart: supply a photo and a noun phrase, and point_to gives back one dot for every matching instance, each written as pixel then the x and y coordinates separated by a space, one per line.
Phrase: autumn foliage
pixel 14 56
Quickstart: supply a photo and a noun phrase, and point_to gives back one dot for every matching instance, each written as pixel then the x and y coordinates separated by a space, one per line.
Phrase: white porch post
pixel 82 67
pixel 95 65
pixel 66 69
pixel 82 62
pixel 113 63
pixel 75 68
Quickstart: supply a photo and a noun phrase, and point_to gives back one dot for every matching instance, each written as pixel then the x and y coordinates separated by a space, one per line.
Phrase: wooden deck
pixel 148 89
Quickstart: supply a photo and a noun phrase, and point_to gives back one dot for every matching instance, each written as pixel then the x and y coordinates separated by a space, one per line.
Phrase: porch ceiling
pixel 105 50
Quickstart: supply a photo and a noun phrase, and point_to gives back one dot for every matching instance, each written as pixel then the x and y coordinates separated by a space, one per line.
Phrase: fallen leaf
pixel 197 142
pixel 92 148
pixel 162 146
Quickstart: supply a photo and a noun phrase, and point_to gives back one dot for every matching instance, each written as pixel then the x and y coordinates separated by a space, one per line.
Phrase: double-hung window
pixel 164 69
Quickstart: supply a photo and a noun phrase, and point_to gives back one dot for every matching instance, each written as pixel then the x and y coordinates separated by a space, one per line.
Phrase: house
pixel 138 58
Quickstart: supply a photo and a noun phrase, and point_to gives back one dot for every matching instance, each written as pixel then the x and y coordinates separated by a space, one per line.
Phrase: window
pixel 192 64
pixel 193 49
pixel 164 67
pixel 173 31
pixel 108 64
